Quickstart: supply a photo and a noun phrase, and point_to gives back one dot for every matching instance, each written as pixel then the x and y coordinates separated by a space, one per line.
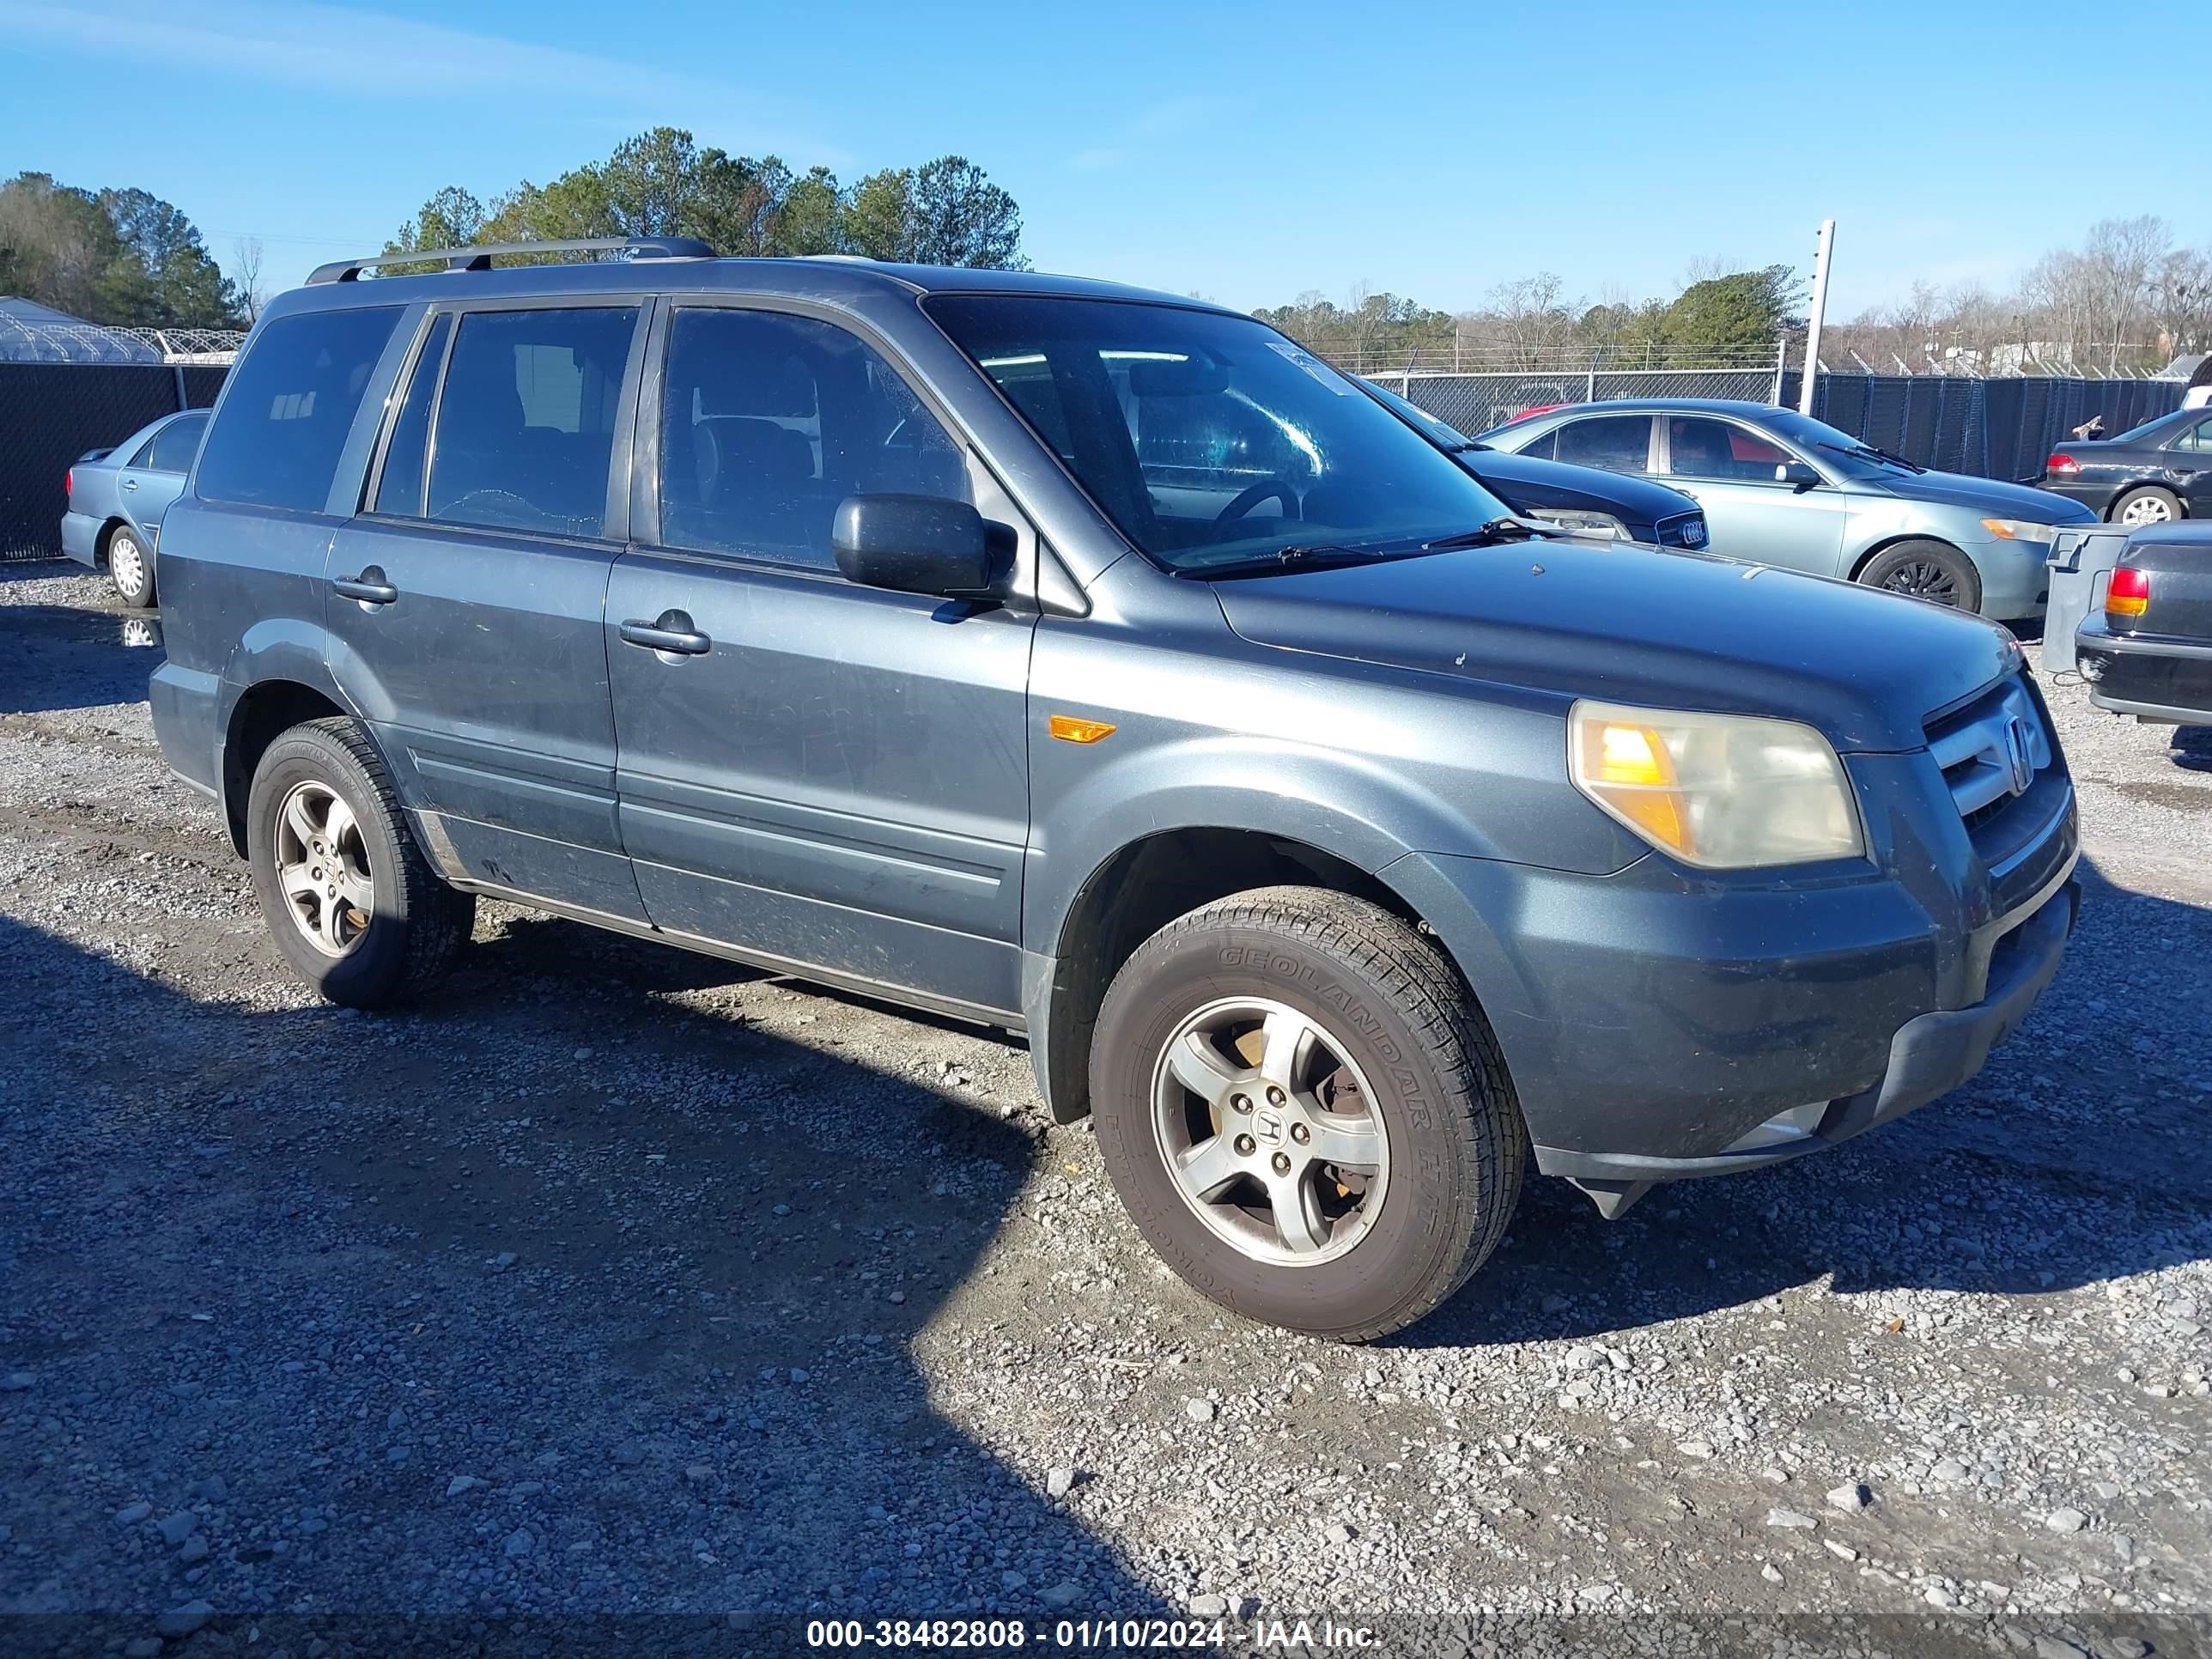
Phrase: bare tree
pixel 245 258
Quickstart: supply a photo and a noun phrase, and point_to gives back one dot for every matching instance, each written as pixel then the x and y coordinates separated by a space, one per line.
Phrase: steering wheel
pixel 1278 489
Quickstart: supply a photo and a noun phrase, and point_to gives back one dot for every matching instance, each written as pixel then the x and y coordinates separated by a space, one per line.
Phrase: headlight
pixel 1724 791
pixel 2022 530
pixel 1584 522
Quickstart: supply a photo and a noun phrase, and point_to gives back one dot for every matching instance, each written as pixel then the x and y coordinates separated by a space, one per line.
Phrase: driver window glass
pixel 1702 448
pixel 1618 443
pixel 525 427
pixel 768 422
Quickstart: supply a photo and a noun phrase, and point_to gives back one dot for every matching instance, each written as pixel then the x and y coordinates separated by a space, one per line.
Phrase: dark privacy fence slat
pixel 52 413
pixel 1995 429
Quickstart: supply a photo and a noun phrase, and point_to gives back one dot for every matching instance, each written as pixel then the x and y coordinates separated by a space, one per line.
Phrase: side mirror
pixel 1798 475
pixel 913 543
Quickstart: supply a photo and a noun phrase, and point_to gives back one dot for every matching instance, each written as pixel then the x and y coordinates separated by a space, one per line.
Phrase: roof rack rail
pixel 480 258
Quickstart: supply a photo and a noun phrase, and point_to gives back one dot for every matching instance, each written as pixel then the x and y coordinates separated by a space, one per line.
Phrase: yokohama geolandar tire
pixel 353 903
pixel 1304 1113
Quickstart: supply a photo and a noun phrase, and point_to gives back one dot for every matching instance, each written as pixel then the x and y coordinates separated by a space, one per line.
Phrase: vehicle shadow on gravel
pixel 560 1296
pixel 2076 1156
pixel 55 656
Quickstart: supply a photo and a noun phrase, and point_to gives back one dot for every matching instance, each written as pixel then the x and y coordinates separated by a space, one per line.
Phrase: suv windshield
pixel 1210 440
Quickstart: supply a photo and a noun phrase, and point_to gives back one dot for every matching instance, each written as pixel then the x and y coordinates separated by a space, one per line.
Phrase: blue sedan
pixel 116 497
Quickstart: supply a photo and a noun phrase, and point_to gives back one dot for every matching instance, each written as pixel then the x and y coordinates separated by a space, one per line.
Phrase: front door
pixel 465 606
pixel 1751 511
pixel 813 771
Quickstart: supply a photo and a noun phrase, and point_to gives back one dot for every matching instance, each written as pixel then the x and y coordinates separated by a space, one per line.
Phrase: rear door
pixel 157 476
pixel 1751 513
pixel 2189 462
pixel 827 774
pixel 466 603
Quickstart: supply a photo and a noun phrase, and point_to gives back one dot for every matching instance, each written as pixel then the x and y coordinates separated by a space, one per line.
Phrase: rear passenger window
pixel 289 405
pixel 399 490
pixel 1619 443
pixel 525 427
pixel 768 422
pixel 174 444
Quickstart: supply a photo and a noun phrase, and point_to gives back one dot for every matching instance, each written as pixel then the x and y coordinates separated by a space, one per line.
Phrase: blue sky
pixel 1248 154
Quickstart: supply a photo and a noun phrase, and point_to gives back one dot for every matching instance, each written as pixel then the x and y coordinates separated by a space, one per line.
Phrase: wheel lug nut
pixel 1241 1103
pixel 1282 1162
pixel 1243 1146
pixel 1275 1096
pixel 1300 1134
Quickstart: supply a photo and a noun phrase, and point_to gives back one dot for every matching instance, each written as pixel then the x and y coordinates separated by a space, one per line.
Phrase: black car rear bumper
pixel 2151 676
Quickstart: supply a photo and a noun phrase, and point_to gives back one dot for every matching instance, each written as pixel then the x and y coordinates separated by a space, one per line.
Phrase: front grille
pixel 1993 751
pixel 1677 533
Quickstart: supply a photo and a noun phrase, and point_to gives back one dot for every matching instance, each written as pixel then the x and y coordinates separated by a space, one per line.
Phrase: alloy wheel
pixel 323 870
pixel 1270 1132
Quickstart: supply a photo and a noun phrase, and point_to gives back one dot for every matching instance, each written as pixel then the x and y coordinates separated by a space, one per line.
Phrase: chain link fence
pixel 52 413
pixel 1474 403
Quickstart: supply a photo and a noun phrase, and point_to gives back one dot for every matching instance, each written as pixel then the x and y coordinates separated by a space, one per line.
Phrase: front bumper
pixel 1658 1024
pixel 2152 678
pixel 2015 581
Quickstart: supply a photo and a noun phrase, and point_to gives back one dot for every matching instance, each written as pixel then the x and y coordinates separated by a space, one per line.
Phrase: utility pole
pixel 1812 374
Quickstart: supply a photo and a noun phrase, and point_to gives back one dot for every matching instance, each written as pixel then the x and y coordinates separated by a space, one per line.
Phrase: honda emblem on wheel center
pixel 1268 1127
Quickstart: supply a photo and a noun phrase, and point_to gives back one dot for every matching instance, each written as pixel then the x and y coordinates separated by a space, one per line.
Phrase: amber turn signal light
pixel 1068 729
pixel 2129 593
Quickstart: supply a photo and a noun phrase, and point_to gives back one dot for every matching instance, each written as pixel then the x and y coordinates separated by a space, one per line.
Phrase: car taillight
pixel 2060 464
pixel 2129 593
pixel 69 482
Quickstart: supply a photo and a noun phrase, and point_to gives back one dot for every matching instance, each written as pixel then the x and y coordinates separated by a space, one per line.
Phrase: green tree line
pixel 662 183
pixel 1526 323
pixel 118 257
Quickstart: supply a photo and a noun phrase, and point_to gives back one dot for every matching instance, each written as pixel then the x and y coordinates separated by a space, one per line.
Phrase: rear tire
pixel 129 566
pixel 2150 505
pixel 354 905
pixel 1401 1076
pixel 1931 570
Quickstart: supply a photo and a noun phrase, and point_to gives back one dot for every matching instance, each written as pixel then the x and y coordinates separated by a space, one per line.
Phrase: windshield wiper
pixel 1463 447
pixel 1299 556
pixel 1512 528
pixel 1869 453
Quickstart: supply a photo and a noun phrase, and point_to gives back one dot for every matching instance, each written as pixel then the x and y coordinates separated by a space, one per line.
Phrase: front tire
pixel 1304 1113
pixel 129 566
pixel 354 905
pixel 1931 570
pixel 2141 507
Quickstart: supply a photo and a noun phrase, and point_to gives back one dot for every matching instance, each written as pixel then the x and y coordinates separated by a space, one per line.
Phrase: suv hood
pixel 1991 495
pixel 1665 630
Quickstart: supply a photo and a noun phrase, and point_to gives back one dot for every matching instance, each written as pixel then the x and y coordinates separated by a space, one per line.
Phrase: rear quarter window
pixel 290 404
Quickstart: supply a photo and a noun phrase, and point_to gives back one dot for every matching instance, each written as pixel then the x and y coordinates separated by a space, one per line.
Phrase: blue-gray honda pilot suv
pixel 1102 666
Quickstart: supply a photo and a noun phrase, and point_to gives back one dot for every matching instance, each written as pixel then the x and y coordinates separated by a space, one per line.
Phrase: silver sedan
pixel 1779 488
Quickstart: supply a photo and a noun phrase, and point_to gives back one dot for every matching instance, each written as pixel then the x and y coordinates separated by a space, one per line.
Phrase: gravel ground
pixel 622 1280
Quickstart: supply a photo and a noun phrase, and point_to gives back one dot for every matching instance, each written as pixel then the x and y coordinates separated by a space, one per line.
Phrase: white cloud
pixel 350 50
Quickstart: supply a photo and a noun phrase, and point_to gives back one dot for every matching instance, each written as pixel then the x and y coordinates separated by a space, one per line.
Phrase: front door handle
pixel 369 587
pixel 673 631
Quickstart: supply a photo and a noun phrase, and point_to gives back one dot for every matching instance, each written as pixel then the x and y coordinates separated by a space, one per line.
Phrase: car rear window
pixel 289 405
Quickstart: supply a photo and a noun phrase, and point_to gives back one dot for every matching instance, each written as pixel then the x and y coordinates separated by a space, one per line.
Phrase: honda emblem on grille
pixel 2020 754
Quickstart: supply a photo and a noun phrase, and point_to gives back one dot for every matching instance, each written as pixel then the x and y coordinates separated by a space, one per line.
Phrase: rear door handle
pixel 131 483
pixel 369 587
pixel 673 631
